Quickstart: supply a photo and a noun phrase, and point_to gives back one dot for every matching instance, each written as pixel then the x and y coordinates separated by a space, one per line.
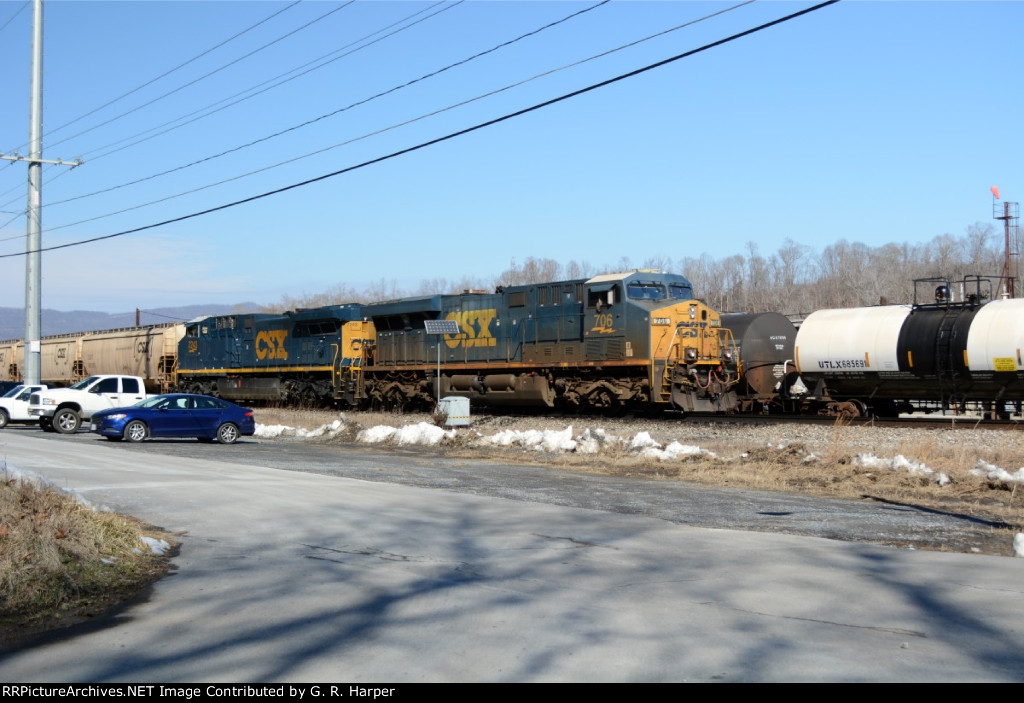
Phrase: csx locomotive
pixel 636 340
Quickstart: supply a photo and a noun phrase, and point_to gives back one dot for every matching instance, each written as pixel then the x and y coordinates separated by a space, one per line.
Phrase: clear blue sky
pixel 869 121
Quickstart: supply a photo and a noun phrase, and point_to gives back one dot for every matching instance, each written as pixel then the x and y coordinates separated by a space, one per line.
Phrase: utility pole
pixel 1009 213
pixel 33 272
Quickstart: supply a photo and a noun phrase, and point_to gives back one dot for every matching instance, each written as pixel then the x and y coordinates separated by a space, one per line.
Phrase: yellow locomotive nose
pixel 693 357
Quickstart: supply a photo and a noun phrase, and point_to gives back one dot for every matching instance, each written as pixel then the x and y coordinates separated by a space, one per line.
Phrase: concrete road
pixel 295 577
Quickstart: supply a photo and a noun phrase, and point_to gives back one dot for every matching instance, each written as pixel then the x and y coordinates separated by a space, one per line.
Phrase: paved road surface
pixel 292 577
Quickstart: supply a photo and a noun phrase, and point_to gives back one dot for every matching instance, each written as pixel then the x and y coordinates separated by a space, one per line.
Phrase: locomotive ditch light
pixel 690 353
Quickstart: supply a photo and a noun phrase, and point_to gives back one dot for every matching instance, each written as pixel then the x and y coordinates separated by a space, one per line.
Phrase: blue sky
pixel 866 120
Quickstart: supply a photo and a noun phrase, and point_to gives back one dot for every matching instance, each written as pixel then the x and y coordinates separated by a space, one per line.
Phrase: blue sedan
pixel 176 415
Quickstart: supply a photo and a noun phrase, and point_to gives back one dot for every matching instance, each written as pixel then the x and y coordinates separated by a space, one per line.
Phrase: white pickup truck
pixel 14 404
pixel 63 409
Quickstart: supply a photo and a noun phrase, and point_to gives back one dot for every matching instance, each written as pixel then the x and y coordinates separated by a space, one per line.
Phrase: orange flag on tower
pixel 995 192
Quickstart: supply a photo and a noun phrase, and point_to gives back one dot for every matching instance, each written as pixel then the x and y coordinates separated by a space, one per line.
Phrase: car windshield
pixel 84 383
pixel 151 402
pixel 13 392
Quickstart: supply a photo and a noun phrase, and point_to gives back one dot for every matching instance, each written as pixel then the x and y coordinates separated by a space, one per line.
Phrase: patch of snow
pixel 995 473
pixel 900 463
pixel 420 433
pixel 675 450
pixel 157 546
pixel 275 431
pixel 643 440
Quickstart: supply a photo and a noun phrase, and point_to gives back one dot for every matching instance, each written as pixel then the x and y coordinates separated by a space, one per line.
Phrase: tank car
pixel 298 357
pixel 615 342
pixel 765 343
pixel 945 354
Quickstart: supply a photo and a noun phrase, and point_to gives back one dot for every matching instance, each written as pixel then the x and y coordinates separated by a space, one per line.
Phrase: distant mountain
pixel 12 320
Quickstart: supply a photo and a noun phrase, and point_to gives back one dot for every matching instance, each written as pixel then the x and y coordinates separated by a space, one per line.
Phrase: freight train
pixel 636 341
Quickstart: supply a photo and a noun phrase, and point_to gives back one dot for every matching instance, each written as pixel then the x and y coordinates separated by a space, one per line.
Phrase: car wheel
pixel 4 418
pixel 136 431
pixel 66 421
pixel 227 433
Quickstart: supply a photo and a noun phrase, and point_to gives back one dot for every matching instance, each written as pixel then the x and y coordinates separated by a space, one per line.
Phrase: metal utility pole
pixel 33 271
pixel 1009 213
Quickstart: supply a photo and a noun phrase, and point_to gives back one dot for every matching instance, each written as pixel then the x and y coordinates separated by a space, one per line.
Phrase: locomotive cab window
pixel 600 297
pixel 680 292
pixel 645 291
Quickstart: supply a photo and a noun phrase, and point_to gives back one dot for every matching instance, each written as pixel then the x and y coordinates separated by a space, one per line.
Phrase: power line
pixel 176 68
pixel 207 75
pixel 394 126
pixel 446 6
pixel 447 137
pixel 340 110
pixel 16 13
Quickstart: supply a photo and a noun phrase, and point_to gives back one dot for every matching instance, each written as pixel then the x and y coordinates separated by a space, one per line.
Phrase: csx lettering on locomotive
pixel 475 326
pixel 270 344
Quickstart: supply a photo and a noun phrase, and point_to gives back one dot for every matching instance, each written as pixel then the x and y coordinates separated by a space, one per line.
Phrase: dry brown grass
pixel 62 562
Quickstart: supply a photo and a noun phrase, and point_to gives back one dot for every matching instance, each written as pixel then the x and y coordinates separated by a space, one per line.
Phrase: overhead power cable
pixel 447 137
pixel 259 88
pixel 176 68
pixel 206 75
pixel 340 110
pixel 445 6
pixel 16 13
pixel 391 127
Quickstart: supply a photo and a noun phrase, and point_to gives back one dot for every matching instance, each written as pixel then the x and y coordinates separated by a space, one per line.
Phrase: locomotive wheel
pixel 136 431
pixel 308 398
pixel 66 421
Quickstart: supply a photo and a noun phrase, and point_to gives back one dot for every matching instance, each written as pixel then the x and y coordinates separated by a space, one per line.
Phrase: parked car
pixel 176 415
pixel 14 404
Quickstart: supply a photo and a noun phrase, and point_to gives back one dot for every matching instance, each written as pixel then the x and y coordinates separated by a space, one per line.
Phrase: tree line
pixel 794 280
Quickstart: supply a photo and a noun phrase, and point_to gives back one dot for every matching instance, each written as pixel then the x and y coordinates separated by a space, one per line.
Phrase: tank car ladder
pixel 944 362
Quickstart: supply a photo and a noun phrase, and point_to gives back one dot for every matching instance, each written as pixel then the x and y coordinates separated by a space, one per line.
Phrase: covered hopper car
pixel 149 352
